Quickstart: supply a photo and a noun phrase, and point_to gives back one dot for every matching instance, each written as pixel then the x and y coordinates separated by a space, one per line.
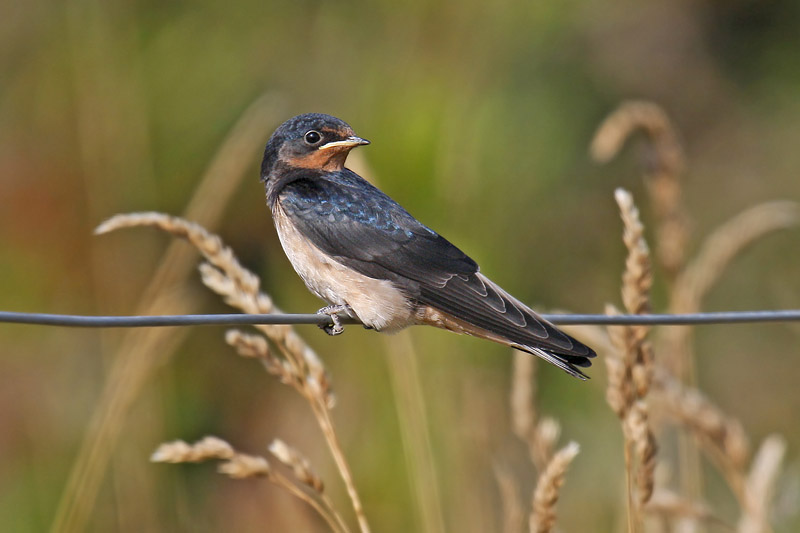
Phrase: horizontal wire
pixel 82 321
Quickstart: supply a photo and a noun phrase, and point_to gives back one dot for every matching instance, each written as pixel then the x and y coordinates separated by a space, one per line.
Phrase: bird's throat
pixel 329 160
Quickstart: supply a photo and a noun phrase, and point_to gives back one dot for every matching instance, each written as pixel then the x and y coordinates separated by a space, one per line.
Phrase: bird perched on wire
pixel 365 255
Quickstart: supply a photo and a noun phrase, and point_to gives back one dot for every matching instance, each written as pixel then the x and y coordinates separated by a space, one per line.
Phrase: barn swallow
pixel 360 251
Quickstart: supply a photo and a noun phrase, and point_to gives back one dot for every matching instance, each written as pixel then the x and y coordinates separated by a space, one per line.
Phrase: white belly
pixel 376 303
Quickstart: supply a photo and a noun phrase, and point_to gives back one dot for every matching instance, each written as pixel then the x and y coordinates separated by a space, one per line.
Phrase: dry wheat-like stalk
pixel 304 473
pixel 299 464
pixel 664 163
pixel 243 466
pixel 689 283
pixel 540 434
pixel 237 465
pixel 696 280
pixel 760 485
pixel 724 244
pixel 630 367
pixel 224 274
pixel 669 506
pixel 720 435
pixel 239 287
pixel 513 515
pixel 213 448
pixel 545 496
pixel 663 167
pixel 625 120
pixel 543 441
pixel 637 431
pixel 248 345
pixel 180 452
pixel 140 351
pixel 412 415
pixel 715 254
pixel 637 279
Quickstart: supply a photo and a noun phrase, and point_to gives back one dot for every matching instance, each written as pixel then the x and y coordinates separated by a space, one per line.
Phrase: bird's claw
pixel 335 328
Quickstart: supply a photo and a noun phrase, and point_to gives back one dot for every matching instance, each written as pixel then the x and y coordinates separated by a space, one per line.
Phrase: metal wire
pixel 82 321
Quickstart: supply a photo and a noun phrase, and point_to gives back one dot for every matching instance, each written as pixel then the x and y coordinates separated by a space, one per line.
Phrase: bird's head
pixel 313 141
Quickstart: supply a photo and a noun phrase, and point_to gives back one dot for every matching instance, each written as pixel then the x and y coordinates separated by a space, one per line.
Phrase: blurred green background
pixel 480 115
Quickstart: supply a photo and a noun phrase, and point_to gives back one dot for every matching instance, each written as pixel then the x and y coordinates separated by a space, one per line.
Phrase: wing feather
pixel 361 227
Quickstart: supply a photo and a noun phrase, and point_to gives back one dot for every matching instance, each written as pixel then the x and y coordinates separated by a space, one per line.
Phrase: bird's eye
pixel 312 137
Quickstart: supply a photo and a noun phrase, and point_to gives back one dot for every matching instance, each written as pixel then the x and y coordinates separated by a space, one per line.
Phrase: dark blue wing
pixel 346 217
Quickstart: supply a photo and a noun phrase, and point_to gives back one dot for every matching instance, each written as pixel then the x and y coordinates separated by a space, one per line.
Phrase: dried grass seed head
pixel 299 464
pixel 545 495
pixel 180 452
pixel 242 466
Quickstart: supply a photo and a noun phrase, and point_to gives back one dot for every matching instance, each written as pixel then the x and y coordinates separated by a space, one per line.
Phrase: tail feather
pixel 568 362
pixel 475 305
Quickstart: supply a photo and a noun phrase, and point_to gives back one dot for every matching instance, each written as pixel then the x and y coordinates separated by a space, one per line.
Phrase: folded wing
pixel 364 229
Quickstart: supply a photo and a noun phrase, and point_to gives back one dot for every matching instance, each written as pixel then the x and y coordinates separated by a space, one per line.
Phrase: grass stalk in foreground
pixel 300 366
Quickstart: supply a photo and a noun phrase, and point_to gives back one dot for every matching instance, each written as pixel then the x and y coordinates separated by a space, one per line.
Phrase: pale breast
pixel 376 303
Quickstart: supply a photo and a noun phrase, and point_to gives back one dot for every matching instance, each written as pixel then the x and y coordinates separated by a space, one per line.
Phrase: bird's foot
pixel 335 328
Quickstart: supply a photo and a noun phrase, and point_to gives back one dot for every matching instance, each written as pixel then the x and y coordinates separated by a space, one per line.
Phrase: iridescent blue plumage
pixel 339 197
pixel 347 217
